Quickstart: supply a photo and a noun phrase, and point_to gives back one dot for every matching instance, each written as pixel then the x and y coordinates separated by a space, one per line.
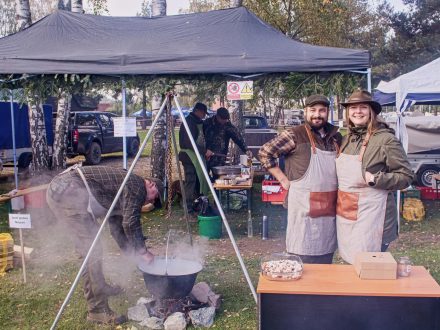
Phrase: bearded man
pixel 310 177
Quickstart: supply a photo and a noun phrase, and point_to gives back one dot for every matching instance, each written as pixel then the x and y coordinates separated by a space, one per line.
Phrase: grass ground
pixel 54 266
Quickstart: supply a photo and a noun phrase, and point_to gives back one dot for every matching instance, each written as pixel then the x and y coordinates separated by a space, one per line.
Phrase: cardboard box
pixel 375 266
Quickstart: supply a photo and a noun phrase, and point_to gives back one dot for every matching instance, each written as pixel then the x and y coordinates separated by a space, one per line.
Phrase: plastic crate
pixel 272 196
pixel 429 193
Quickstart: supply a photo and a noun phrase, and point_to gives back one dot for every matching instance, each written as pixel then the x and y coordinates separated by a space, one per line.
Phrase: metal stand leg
pixel 107 216
pixel 217 202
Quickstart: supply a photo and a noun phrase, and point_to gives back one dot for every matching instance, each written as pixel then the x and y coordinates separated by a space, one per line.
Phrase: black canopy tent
pixel 223 41
pixel 230 41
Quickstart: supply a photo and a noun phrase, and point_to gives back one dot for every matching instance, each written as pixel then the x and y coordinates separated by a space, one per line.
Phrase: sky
pixel 131 7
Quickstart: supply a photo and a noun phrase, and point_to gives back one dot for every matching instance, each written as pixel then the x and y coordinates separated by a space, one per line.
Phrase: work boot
pixel 113 290
pixel 107 317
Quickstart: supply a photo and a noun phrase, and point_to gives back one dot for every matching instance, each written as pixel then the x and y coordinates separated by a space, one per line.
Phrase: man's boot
pixel 106 317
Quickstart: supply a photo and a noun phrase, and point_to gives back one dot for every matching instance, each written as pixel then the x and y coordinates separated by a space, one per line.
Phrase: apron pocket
pixel 347 205
pixel 322 204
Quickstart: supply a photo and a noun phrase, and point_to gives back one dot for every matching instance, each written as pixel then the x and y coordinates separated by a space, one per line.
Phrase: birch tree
pixel 159 8
pixel 237 115
pixel 236 3
pixel 23 14
pixel 61 125
pixel 77 6
pixel 64 5
pixel 40 152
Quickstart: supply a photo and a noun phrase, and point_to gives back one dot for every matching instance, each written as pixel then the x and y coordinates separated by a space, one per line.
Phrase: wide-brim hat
pixel 363 96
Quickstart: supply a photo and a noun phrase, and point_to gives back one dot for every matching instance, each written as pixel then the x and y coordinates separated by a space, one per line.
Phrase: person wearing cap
pixel 195 183
pixel 372 164
pixel 218 131
pixel 309 151
pixel 80 196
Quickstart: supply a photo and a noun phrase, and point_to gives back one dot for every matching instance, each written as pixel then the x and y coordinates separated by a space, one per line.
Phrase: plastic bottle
pixel 250 229
pixel 265 231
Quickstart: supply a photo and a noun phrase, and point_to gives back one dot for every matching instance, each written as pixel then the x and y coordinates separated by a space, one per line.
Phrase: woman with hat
pixel 371 165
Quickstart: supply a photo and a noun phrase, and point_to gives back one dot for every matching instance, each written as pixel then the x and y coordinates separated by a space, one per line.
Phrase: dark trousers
pixel 69 204
pixel 322 259
pixel 191 184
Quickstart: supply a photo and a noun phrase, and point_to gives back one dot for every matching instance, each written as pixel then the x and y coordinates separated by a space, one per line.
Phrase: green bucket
pixel 210 227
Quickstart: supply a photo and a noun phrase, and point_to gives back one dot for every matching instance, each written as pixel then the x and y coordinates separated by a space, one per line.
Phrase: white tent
pixel 419 86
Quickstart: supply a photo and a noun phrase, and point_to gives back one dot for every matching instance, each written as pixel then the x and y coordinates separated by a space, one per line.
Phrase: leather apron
pixel 360 211
pixel 311 228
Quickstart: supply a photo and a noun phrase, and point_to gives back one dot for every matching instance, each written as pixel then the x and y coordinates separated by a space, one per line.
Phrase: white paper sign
pixel 19 220
pixel 240 90
pixel 125 127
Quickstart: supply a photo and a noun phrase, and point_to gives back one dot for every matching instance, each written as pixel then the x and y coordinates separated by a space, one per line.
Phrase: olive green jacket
pixel 385 158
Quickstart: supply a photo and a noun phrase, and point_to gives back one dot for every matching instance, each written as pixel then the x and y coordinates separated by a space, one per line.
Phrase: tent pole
pixel 107 216
pixel 14 149
pixel 369 79
pixel 124 137
pixel 217 201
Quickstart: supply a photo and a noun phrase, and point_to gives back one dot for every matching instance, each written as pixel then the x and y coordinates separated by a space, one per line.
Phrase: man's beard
pixel 315 125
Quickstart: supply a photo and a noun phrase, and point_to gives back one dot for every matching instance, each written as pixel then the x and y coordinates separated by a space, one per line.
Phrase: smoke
pixel 57 258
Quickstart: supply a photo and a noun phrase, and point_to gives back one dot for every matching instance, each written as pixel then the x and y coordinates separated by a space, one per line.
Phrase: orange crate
pixel 271 196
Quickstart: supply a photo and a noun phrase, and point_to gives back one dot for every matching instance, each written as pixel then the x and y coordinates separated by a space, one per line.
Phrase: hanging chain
pixel 169 154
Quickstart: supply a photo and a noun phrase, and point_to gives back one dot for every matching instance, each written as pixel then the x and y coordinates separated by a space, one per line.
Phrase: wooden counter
pixel 334 297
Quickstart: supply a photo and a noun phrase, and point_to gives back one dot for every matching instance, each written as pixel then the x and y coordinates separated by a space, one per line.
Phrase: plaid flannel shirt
pixel 125 224
pixel 283 144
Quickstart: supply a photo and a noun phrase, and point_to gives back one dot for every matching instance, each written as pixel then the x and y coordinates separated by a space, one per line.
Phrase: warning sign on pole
pixel 240 90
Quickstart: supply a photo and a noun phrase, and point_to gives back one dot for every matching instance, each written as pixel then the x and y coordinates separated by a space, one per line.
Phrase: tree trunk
pixel 64 5
pixel 159 148
pixel 237 121
pixel 23 14
pixel 61 126
pixel 77 6
pixel 236 3
pixel 159 8
pixel 40 153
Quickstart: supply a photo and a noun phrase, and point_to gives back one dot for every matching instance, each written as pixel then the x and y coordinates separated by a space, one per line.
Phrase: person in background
pixel 195 183
pixel 81 195
pixel 372 165
pixel 218 132
pixel 310 177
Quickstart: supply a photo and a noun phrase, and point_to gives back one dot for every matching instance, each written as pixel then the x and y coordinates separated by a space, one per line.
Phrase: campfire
pixel 198 308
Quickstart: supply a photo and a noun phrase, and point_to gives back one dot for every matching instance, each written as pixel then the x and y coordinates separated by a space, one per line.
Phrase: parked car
pixel 294 121
pixel 91 134
pixel 257 132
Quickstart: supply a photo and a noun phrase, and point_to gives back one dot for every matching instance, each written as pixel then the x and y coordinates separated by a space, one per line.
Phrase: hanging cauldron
pixel 170 280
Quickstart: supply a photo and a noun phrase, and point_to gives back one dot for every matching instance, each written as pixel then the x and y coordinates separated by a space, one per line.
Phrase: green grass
pixel 53 268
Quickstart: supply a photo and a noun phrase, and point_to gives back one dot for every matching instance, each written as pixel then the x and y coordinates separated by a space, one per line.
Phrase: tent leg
pixel 217 202
pixel 107 216
pixel 369 79
pixel 124 137
pixel 14 148
pixel 179 171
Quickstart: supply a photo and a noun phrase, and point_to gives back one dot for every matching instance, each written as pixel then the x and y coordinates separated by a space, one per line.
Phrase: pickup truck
pixel 91 134
pixel 257 132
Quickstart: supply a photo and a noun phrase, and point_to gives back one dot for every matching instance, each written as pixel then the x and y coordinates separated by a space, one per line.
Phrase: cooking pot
pixel 226 170
pixel 170 280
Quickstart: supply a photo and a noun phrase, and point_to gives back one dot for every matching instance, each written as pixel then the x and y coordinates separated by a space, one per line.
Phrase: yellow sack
pixel 6 253
pixel 413 209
